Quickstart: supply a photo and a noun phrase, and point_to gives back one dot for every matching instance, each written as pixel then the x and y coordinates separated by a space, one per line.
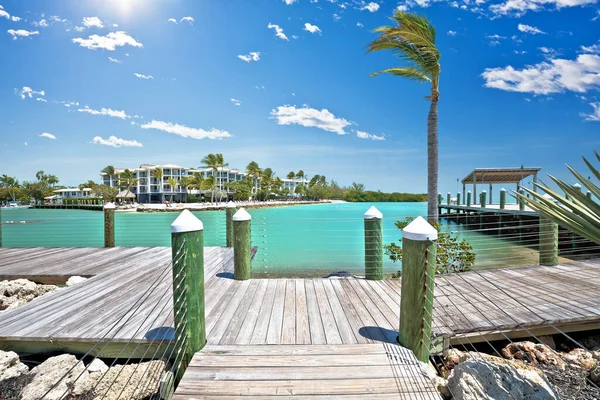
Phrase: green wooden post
pixel 577 186
pixel 373 244
pixel 440 198
pixel 458 198
pixel 418 272
pixel 521 202
pixel 502 198
pixel 483 198
pixel 1 224
pixel 588 194
pixel 448 198
pixel 242 268
pixel 548 238
pixel 469 198
pixel 187 249
pixel 229 211
pixel 109 225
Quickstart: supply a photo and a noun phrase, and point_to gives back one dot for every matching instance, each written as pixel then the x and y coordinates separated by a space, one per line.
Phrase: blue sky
pixel 286 83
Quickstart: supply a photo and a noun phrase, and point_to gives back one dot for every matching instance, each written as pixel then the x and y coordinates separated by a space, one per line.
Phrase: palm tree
pixel 11 184
pixel 40 175
pixel 185 182
pixel 213 162
pixel 126 178
pixel 157 173
pixel 412 39
pixel 222 164
pixel 110 171
pixel 209 183
pixel 173 183
pixel 51 179
pixel 291 175
pixel 300 175
pixel 254 171
pixel 266 180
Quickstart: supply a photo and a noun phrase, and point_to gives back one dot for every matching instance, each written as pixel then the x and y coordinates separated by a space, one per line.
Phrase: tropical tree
pixel 266 181
pixel 127 180
pixel 210 183
pixel 185 182
pixel 254 171
pixel 195 181
pixel 412 39
pixel 291 175
pixel 214 162
pixel 173 183
pixel 574 211
pixel 40 176
pixel 51 180
pixel 11 185
pixel 110 171
pixel 300 175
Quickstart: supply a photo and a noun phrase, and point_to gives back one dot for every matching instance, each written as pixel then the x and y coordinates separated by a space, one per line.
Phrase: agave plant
pixel 574 211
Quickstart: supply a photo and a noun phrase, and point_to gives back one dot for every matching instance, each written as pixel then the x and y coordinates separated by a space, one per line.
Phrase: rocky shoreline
pixel 178 207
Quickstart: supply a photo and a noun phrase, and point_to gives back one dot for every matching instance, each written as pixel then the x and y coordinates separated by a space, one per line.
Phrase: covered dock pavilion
pixel 497 175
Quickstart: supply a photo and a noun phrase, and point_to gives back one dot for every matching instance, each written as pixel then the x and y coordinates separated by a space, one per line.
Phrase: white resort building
pixel 68 193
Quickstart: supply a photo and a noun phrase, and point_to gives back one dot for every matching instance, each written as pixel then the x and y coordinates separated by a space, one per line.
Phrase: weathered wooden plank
pixel 245 334
pixel 276 321
pixel 291 350
pixel 302 323
pixel 315 322
pixel 233 329
pixel 259 335
pixel 288 333
pixel 350 312
pixel 344 327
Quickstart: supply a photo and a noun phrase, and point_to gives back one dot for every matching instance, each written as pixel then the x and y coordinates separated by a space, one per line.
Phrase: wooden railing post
pixel 187 250
pixel 588 194
pixel 469 198
pixel 109 225
pixel 373 244
pixel 520 201
pixel 502 198
pixel 483 199
pixel 449 198
pixel 230 209
pixel 458 198
pixel 418 274
pixel 242 258
pixel 548 237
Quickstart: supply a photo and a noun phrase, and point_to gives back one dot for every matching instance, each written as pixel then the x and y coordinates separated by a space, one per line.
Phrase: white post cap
pixel 483 191
pixel 231 204
pixel 241 215
pixel 110 206
pixel 577 186
pixel 503 190
pixel 449 193
pixel 468 191
pixel 186 222
pixel 373 213
pixel 419 229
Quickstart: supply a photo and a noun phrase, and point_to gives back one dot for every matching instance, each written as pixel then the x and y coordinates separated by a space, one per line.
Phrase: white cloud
pixel 359 25
pixel 48 135
pixel 529 29
pixel 14 18
pixel 310 117
pixel 371 7
pixel 451 33
pixel 172 20
pixel 185 131
pixel 21 33
pixel 108 42
pixel 311 28
pixel 114 60
pixel 4 14
pixel 56 18
pixel 495 36
pixel 115 25
pixel 42 23
pixel 595 48
pixel 278 31
pixel 236 102
pixel 595 115
pixel 79 28
pixel 365 135
pixel 188 19
pixel 26 144
pixel 90 22
pixel 28 92
pixel 520 7
pixel 142 76
pixel 105 111
pixel 552 76
pixel 41 99
pixel 289 2
pixel 252 56
pixel 114 141
pixel 69 103
pixel 336 17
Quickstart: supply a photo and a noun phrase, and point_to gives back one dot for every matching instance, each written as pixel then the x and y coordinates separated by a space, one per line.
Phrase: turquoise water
pixel 293 240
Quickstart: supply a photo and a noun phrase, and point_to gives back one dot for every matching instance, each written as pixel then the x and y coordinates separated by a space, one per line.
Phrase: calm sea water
pixel 292 241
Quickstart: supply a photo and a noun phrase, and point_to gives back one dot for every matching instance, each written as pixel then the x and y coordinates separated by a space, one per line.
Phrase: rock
pixel 442 387
pixel 51 371
pixel 11 366
pixel 457 356
pixel 532 353
pixel 135 381
pixel 97 366
pixel 428 370
pixel 479 379
pixel 580 357
pixel 21 291
pixel 74 280
pixel 548 340
pixel 595 374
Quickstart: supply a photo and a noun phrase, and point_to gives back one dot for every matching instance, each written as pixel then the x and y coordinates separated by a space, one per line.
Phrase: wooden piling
pixel 588 194
pixel 449 198
pixel 469 198
pixel 109 225
pixel 242 269
pixel 548 239
pixel 418 273
pixel 458 198
pixel 373 244
pixel 230 210
pixel 187 249
pixel 502 198
pixel 483 199
pixel 520 201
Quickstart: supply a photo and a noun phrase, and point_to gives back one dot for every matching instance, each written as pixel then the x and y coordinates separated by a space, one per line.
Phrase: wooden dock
pixel 329 313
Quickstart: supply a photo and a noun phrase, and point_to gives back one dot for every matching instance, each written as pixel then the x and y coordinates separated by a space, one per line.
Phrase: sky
pixel 286 83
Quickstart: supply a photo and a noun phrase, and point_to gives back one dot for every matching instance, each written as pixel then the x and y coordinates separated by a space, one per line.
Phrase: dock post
pixel 588 194
pixel 449 198
pixel 229 211
pixel 521 202
pixel 0 226
pixel 483 198
pixel 548 238
pixel 469 198
pixel 109 225
pixel 242 269
pixel 373 244
pixel 187 249
pixel 502 198
pixel 458 199
pixel 418 273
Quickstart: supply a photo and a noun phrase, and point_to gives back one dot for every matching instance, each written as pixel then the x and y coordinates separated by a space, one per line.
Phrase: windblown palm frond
pixel 574 211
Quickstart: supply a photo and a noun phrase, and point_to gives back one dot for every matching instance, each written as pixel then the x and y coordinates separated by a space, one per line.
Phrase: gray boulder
pixel 11 366
pixel 74 280
pixel 21 291
pixel 64 371
pixel 479 379
pixel 132 382
pixel 595 374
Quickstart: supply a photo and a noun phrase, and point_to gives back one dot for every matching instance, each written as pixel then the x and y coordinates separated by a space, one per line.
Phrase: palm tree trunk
pixel 432 162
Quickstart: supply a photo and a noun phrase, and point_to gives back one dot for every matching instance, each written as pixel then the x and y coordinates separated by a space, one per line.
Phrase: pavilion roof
pixel 499 175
